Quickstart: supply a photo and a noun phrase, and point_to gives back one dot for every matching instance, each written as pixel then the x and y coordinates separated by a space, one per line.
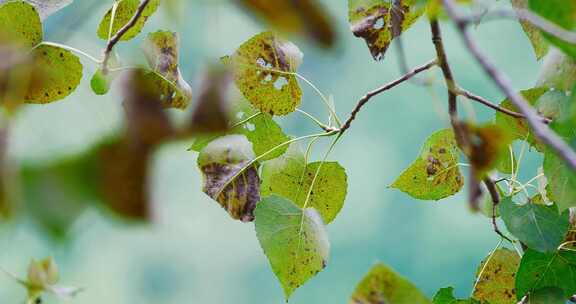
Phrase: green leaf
pixel 263 71
pixel 21 24
pixel 507 162
pixel 100 83
pixel 384 285
pixel 46 8
pixel 495 278
pixel 560 12
pixel 538 226
pixel 487 204
pixel 558 71
pixel 434 174
pixel 539 44
pixel 161 50
pixel 538 270
pixel 561 181
pixel 294 240
pixel 547 295
pixel 517 127
pixel 446 296
pixel 124 12
pixel 289 176
pixel 57 72
pixel 307 18
pixel 378 22
pixel 168 94
pixel 230 177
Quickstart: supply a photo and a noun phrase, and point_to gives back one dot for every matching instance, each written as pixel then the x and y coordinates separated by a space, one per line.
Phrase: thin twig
pixel 489 104
pixel 381 89
pixel 491 186
pixel 541 131
pixel 116 38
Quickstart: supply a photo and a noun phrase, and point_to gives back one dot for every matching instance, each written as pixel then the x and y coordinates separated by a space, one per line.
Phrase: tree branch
pixel 116 38
pixel 541 131
pixel 491 186
pixel 381 89
pixel 489 104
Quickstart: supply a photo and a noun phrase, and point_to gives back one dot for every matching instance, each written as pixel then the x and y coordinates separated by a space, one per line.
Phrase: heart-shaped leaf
pixel 538 270
pixel 123 14
pixel 496 276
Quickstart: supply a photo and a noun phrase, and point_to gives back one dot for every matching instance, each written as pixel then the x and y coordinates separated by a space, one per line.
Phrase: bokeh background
pixel 192 252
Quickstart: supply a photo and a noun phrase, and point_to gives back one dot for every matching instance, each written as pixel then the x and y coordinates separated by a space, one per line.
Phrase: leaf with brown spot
pixel 304 17
pixel 378 22
pixel 263 71
pixel 211 113
pixel 229 175
pixel 20 24
pixel 488 144
pixel 291 177
pixel 162 54
pixel 496 278
pixel 294 240
pixel 434 174
pixel 384 285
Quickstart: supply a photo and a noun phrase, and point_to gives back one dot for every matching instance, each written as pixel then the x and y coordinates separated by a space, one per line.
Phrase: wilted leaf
pixel 384 285
pixel 57 72
pixel 518 128
pixel 488 145
pixel 434 174
pixel 45 8
pixel 211 113
pixel 496 276
pixel 262 71
pixel 445 296
pixel 305 17
pixel 538 226
pixel 294 240
pixel 124 12
pixel 558 71
pixel 289 176
pixel 161 50
pixel 538 42
pixel 563 14
pixel 538 270
pixel 230 177
pixel 378 22
pixel 20 24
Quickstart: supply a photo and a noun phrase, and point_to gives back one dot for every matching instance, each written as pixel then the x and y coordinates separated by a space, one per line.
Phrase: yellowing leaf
pixel 294 240
pixel 124 12
pixel 378 22
pixel 57 72
pixel 263 71
pixel 20 24
pixel 384 285
pixel 230 177
pixel 539 44
pixel 496 278
pixel 558 71
pixel 488 145
pixel 434 174
pixel 306 17
pixel 290 177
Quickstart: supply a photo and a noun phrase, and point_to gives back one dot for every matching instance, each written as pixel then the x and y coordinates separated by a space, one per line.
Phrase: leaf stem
pixel 72 49
pixel 245 120
pixel 316 120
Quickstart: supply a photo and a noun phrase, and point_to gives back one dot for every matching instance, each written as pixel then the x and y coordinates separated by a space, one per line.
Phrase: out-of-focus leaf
pixel 57 72
pixel 486 204
pixel 43 273
pixel 20 24
pixel 446 296
pixel 294 240
pixel 161 50
pixel 211 113
pixel 538 226
pixel 547 295
pixel 124 12
pixel 538 270
pixel 496 277
pixel 539 44
pixel 263 71
pixel 230 177
pixel 46 8
pixel 434 174
pixel 518 128
pixel 384 285
pixel 305 17
pixel 378 22
pixel 558 71
pixel 488 145
pixel 560 12
pixel 507 163
pixel 291 177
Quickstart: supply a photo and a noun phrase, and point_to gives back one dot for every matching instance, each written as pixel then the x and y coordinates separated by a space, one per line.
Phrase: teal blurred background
pixel 193 252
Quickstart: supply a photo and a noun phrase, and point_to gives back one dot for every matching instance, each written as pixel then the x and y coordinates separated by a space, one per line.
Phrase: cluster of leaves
pixel 259 174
